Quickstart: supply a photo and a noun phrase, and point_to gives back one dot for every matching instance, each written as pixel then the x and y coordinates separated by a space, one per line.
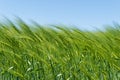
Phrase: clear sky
pixel 84 14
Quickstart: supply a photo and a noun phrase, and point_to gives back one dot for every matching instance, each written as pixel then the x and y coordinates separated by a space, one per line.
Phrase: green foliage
pixel 59 53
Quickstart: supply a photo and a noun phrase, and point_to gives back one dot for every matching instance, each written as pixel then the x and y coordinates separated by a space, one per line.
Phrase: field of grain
pixel 35 52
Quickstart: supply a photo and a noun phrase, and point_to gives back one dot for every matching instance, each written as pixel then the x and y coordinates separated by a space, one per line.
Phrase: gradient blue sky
pixel 83 13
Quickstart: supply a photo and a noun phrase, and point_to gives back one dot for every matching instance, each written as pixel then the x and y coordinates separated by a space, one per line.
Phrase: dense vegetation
pixel 34 52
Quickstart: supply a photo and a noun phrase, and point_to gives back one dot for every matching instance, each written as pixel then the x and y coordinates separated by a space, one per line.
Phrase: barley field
pixel 35 52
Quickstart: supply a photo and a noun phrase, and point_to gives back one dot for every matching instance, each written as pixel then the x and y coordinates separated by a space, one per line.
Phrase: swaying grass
pixel 59 53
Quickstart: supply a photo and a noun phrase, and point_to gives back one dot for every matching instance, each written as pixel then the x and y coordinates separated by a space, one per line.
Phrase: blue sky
pixel 84 14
